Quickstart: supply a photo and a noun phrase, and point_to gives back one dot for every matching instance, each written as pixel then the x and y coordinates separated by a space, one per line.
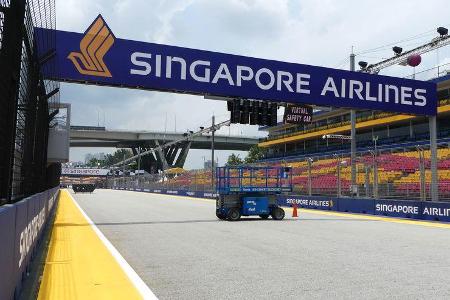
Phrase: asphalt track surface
pixel 181 251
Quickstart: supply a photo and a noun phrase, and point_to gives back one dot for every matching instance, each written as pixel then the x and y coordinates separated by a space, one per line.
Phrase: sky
pixel 314 32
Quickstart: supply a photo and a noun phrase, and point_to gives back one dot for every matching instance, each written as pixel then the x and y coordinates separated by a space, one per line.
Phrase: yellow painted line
pixel 371 217
pixel 82 264
pixel 346 128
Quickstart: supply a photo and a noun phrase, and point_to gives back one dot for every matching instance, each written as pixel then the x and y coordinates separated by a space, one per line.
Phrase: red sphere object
pixel 414 60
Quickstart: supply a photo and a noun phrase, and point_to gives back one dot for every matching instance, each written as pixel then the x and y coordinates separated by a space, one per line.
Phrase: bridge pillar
pixel 168 153
pixel 148 162
pixel 161 158
pixel 183 154
pixel 173 155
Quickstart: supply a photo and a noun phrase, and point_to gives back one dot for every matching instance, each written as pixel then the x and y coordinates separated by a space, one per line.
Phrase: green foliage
pixel 95 163
pixel 110 159
pixel 234 160
pixel 117 156
pixel 254 154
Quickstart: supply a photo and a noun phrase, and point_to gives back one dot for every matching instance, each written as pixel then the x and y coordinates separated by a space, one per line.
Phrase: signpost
pixel 298 114
pixel 84 172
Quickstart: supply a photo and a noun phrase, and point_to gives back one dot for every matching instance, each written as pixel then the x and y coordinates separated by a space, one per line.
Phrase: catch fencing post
pixel 310 160
pixel 353 134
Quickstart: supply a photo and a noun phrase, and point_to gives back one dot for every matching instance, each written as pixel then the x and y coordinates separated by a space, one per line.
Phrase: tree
pixel 254 154
pixel 95 163
pixel 234 160
pixel 117 156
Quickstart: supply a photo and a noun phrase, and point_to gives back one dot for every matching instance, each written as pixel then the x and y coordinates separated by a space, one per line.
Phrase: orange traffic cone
pixel 294 211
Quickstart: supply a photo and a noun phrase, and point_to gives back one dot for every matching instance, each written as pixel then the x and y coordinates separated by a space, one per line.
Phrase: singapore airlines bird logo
pixel 96 42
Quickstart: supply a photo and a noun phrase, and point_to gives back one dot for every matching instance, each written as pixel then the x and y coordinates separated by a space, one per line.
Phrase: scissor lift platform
pixel 251 190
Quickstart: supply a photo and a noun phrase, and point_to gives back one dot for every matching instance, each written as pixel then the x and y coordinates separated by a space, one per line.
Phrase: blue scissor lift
pixel 251 191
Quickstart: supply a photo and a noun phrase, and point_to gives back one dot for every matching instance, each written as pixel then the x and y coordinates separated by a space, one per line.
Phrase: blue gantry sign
pixel 98 57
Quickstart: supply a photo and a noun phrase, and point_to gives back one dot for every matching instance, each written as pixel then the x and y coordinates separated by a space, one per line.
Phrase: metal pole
pixel 353 134
pixel 338 177
pixel 309 176
pixel 375 169
pixel 367 181
pixel 123 170
pixel 422 175
pixel 433 166
pixel 375 176
pixel 139 160
pixel 212 150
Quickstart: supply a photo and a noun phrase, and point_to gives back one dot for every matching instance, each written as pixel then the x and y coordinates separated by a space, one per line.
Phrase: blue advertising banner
pixel 316 202
pixel 398 208
pixel 436 211
pixel 98 57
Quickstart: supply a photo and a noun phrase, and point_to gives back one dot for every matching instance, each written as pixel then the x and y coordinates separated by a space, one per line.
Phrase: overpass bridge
pixel 100 137
pixel 173 156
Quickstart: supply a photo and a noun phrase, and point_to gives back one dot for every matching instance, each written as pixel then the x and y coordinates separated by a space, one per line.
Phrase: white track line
pixel 140 285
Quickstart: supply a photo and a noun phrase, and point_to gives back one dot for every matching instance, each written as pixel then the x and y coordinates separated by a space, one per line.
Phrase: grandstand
pixel 387 144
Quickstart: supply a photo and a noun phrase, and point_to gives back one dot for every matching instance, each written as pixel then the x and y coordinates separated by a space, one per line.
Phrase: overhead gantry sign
pixel 98 57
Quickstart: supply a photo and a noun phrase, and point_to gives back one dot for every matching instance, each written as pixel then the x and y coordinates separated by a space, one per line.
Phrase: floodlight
pixel 397 50
pixel 442 31
pixel 363 64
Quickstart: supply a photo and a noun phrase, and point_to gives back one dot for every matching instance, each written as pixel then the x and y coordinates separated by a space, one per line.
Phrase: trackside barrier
pixel 421 210
pixel 21 226
pixel 196 194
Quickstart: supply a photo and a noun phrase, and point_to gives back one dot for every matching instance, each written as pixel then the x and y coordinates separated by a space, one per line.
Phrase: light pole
pixel 353 134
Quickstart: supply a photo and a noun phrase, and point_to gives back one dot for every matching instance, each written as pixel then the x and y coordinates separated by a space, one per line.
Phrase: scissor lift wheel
pixel 278 213
pixel 234 214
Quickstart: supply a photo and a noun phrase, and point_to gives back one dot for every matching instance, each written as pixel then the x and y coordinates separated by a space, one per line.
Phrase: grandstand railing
pixel 396 173
pixel 195 180
pixel 401 173
pixel 402 142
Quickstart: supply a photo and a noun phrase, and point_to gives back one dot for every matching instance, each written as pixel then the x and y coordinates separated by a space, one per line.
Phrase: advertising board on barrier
pixel 435 211
pixel 397 208
pixel 21 227
pixel 98 57
pixel 316 203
